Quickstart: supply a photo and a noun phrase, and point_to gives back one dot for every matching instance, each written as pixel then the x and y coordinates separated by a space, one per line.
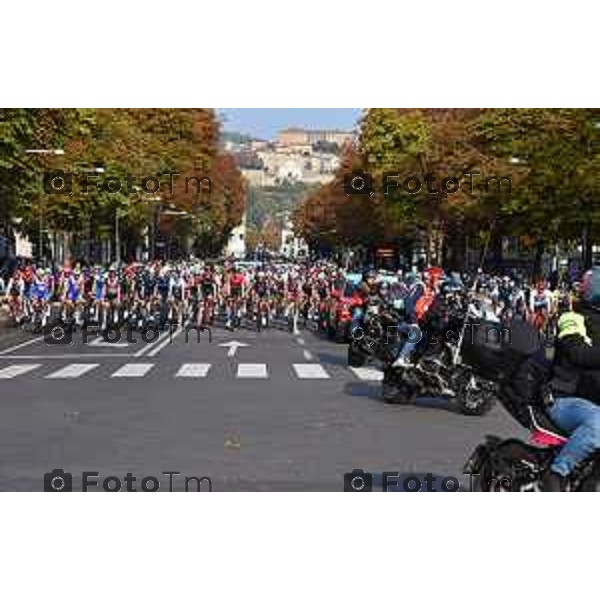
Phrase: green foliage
pixel 266 203
pixel 552 157
pixel 140 142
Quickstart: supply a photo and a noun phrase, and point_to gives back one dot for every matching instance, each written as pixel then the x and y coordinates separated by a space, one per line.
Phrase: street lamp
pixel 56 152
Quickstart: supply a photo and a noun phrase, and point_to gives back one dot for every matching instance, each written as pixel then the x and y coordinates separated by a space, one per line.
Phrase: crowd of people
pixel 197 292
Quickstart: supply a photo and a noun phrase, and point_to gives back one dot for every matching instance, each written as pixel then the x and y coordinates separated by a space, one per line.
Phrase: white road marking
pixel 100 341
pixel 367 373
pixel 252 370
pixel 301 341
pixel 133 370
pixel 63 356
pixel 22 345
pixel 310 371
pixel 150 345
pixel 307 355
pixel 170 338
pixel 193 370
pixel 16 370
pixel 72 371
pixel 233 346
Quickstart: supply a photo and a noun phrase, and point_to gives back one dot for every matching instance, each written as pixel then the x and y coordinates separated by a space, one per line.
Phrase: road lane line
pixel 169 339
pixel 22 345
pixel 252 371
pixel 193 370
pixel 307 355
pixel 72 371
pixel 310 371
pixel 133 370
pixel 300 341
pixel 147 346
pixel 16 370
pixel 63 356
pixel 367 373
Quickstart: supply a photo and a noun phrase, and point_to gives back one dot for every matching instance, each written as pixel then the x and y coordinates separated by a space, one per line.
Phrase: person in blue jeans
pixel 579 417
pixel 409 328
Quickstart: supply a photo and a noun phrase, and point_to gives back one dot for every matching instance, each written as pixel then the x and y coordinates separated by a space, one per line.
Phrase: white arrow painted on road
pixel 233 346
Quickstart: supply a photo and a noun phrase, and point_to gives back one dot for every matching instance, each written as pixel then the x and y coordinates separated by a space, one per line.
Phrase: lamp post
pixel 55 152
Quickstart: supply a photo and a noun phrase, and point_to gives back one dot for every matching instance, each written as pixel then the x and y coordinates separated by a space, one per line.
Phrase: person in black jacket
pixel 574 357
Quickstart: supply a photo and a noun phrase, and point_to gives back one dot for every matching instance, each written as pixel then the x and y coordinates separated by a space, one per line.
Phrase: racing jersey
pixel 208 285
pixel 73 288
pixel 236 283
pixel 260 287
pixel 41 290
pixel 177 287
pixel 541 300
pixel 98 287
pixel 113 288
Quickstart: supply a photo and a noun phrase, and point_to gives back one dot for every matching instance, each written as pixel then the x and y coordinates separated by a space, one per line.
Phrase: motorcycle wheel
pixel 504 472
pixel 474 398
pixel 592 482
pixel 395 390
pixel 488 481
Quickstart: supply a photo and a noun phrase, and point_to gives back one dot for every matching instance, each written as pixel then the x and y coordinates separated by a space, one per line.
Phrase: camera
pixel 358 183
pixel 58 182
pixel 358 481
pixel 58 335
pixel 58 481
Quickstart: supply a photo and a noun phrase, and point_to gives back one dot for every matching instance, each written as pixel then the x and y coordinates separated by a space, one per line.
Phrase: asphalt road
pixel 283 413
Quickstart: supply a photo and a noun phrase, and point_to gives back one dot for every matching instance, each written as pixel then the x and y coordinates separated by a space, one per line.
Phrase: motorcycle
pixel 436 375
pixel 512 465
pixel 369 341
pixel 438 367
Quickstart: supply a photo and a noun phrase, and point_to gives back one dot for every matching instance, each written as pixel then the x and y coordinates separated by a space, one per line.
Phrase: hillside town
pixel 306 157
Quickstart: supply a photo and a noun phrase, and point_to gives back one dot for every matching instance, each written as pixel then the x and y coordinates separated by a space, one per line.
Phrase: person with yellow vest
pixel 578 417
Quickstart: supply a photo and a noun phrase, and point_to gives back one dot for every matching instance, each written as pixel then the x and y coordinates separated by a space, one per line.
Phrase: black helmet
pixel 564 303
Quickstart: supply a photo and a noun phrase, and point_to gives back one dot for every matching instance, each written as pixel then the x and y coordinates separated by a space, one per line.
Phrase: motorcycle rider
pixel 421 296
pixel 365 291
pixel 579 417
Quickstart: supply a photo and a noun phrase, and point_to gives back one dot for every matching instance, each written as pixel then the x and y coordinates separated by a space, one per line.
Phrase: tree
pixel 140 142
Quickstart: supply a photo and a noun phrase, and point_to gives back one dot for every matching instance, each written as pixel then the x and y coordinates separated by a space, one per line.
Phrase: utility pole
pixel 117 240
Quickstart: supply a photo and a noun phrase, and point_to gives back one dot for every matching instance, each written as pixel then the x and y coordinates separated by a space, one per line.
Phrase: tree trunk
pixel 539 254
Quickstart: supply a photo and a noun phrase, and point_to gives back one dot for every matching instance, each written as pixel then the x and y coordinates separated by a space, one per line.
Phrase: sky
pixel 264 123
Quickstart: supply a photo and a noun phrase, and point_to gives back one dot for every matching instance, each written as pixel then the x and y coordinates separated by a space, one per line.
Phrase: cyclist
pixel 540 305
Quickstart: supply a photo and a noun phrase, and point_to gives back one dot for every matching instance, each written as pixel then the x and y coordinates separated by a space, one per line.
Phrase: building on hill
pixel 295 136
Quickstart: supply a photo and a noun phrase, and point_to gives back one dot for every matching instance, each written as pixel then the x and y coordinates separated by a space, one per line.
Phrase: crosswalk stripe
pixel 133 370
pixel 252 370
pixel 310 371
pixel 193 370
pixel 16 370
pixel 72 371
pixel 307 370
pixel 367 373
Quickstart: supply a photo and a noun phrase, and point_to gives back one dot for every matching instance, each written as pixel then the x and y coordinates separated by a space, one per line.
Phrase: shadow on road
pixel 373 391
